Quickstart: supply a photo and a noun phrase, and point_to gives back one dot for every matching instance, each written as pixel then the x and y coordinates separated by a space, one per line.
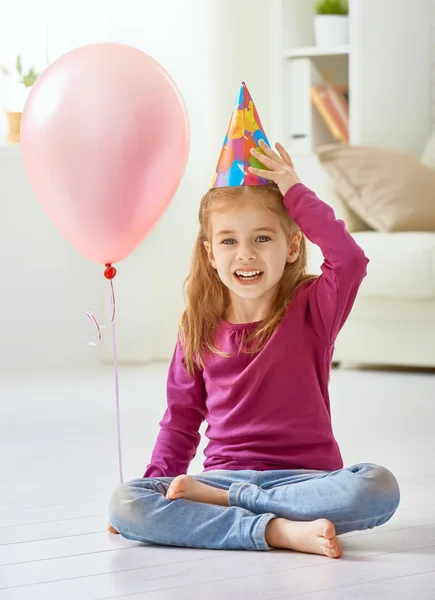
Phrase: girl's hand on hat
pixel 280 167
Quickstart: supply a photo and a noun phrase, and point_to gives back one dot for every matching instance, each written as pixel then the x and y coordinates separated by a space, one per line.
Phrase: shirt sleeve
pixel 178 439
pixel 332 295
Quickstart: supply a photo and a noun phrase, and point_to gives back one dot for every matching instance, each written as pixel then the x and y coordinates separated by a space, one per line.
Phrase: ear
pixel 295 247
pixel 210 255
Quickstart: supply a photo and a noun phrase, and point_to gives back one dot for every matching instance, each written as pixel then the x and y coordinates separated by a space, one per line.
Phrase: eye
pixel 263 238
pixel 228 241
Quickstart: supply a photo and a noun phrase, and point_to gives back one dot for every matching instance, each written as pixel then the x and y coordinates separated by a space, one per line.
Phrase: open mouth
pixel 248 276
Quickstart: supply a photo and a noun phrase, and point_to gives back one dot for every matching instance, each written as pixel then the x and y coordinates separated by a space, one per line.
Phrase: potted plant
pixel 331 23
pixel 20 85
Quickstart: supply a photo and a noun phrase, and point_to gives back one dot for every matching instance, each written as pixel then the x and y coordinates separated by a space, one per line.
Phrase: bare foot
pixel 188 488
pixel 111 529
pixel 314 537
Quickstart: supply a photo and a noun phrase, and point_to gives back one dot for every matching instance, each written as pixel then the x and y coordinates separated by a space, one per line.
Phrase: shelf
pixel 306 51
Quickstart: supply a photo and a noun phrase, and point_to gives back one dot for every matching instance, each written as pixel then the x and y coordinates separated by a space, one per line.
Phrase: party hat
pixel 244 132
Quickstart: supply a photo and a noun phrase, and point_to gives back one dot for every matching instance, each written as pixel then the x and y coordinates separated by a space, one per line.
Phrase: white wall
pixel 376 26
pixel 45 287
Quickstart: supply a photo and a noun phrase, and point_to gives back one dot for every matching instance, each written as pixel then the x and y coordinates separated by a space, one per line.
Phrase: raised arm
pixel 179 437
pixel 332 295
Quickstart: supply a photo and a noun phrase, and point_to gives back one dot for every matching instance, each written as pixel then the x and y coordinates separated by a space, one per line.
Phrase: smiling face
pixel 249 248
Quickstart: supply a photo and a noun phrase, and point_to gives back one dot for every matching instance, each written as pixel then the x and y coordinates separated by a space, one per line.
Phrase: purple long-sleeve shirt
pixel 269 410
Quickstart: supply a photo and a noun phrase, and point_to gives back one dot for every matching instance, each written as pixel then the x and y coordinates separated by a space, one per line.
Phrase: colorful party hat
pixel 244 132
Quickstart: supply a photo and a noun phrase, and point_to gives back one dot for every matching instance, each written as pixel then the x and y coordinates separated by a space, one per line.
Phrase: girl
pixel 253 360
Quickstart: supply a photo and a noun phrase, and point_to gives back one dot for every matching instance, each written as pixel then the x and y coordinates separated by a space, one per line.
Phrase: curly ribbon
pixel 109 273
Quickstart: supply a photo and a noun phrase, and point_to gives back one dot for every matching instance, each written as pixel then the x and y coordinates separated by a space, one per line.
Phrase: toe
pixel 171 494
pixel 111 529
pixel 327 529
pixel 327 551
pixel 177 488
pixel 334 552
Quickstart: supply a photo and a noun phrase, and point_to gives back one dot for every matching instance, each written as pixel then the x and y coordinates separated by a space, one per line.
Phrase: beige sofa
pixel 393 318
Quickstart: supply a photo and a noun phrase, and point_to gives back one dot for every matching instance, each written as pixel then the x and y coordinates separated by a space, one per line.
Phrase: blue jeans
pixel 360 497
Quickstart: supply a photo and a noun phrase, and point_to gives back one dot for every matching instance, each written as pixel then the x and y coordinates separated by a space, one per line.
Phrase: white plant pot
pixel 331 30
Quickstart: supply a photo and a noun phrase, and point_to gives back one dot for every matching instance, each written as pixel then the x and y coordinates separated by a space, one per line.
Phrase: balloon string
pixel 99 327
pixel 94 320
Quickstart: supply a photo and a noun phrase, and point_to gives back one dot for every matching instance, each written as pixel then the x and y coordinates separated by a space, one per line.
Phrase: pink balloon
pixel 104 140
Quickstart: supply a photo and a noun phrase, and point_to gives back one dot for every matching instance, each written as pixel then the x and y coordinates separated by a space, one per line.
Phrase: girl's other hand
pixel 280 167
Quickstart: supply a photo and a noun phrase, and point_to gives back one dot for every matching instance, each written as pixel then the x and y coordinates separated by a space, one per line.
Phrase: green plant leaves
pixel 332 7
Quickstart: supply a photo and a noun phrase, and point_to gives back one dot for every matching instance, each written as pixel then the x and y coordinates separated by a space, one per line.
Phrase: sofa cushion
pixel 389 190
pixel 326 192
pixel 402 264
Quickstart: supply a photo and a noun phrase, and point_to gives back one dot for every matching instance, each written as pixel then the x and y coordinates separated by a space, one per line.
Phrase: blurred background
pixel 378 66
pixel 208 48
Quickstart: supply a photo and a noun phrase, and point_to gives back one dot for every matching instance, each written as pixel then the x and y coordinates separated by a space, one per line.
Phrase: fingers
pixel 270 163
pixel 273 163
pixel 269 152
pixel 262 173
pixel 270 158
pixel 284 155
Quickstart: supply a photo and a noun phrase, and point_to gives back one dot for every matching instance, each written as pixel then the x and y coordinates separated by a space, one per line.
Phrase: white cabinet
pixel 386 65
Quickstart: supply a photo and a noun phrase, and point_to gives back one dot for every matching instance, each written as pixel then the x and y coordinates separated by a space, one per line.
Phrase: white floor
pixel 58 467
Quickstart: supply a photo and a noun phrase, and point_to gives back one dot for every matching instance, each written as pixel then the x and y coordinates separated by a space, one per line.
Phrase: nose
pixel 246 252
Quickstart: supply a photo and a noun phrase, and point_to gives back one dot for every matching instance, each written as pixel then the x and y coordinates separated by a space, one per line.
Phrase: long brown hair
pixel 207 298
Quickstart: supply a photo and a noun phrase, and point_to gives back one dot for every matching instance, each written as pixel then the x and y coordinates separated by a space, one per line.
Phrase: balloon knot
pixel 109 272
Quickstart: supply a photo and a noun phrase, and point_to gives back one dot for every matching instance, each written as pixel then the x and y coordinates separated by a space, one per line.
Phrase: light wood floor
pixel 58 467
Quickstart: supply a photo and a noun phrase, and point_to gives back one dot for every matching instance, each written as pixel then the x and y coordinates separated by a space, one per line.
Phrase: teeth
pixel 248 273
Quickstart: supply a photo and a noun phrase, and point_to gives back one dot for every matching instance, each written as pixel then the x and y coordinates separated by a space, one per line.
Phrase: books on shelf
pixel 317 109
pixel 331 101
